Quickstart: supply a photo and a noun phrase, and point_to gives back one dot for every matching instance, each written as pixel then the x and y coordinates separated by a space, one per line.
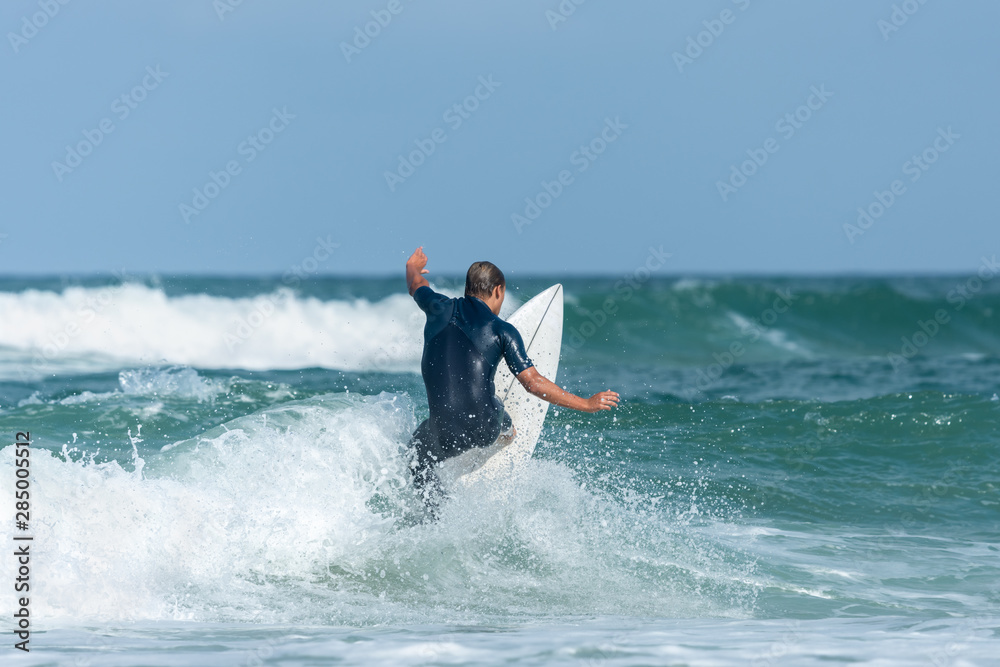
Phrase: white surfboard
pixel 540 323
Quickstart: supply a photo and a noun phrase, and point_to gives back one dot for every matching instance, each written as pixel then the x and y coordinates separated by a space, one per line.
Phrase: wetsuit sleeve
pixel 429 300
pixel 513 350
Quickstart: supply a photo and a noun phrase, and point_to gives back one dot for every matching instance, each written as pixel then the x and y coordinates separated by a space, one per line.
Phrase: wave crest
pixel 133 324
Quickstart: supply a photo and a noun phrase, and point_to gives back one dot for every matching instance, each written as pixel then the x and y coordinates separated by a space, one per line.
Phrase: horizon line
pixel 238 275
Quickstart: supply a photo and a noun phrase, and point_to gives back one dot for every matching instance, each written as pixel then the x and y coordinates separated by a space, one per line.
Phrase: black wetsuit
pixel 463 344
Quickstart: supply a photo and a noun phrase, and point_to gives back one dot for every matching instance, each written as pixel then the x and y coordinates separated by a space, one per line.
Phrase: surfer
pixel 464 340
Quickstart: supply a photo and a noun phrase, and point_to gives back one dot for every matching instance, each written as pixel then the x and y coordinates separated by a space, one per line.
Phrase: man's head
pixel 486 282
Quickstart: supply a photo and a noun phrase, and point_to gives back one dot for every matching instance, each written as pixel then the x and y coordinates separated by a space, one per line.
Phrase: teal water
pixel 801 471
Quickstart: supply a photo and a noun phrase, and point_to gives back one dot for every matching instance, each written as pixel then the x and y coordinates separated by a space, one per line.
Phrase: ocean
pixel 803 471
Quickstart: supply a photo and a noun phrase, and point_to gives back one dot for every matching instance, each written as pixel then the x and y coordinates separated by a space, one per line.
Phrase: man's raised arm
pixel 538 385
pixel 415 270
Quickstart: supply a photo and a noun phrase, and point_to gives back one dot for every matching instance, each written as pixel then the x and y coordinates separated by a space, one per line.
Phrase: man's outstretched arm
pixel 415 270
pixel 538 385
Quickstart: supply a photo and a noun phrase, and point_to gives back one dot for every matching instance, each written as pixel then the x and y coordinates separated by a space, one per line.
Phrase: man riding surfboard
pixel 464 340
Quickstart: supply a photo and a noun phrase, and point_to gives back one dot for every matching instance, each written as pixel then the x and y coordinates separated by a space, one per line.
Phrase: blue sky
pixel 309 129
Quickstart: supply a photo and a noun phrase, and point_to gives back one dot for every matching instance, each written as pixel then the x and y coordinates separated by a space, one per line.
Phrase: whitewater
pixel 220 474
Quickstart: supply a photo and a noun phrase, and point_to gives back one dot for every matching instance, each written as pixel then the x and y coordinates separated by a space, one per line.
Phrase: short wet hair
pixel 482 278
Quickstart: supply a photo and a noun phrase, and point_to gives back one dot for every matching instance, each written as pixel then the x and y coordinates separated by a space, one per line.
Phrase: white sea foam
pixel 176 382
pixel 305 513
pixel 100 328
pixel 874 641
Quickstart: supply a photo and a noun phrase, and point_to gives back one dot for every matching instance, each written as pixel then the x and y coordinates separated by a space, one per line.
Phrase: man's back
pixel 463 344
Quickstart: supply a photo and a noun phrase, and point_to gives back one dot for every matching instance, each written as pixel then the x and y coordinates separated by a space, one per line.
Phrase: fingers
pixel 609 399
pixel 418 257
pixel 606 400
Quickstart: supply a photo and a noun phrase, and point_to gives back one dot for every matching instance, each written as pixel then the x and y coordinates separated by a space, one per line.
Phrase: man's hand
pixel 418 260
pixel 602 400
pixel 415 270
